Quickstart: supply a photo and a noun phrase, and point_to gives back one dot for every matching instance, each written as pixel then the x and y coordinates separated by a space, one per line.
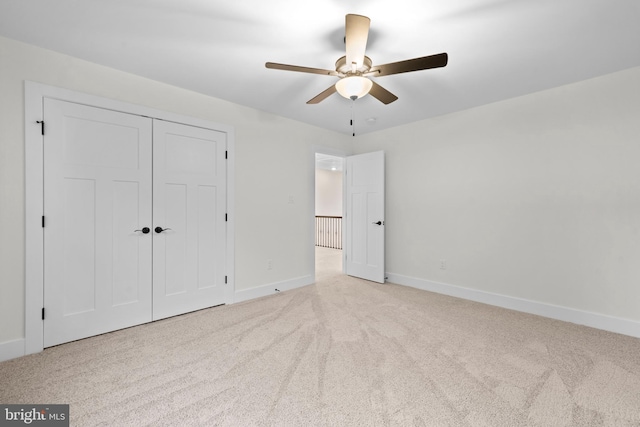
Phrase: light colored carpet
pixel 340 352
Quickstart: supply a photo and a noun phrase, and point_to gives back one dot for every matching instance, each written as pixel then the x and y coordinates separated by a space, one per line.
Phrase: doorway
pixel 329 198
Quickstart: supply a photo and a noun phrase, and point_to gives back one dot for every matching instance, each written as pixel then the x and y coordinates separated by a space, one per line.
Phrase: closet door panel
pixel 97 193
pixel 189 218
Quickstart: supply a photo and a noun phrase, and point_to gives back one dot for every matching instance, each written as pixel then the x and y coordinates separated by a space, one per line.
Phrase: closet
pixel 134 219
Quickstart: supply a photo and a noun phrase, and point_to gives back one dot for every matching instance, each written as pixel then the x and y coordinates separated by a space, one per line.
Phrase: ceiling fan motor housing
pixel 344 68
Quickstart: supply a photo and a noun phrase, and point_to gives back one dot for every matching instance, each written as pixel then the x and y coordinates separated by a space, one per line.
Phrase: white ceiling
pixel 498 49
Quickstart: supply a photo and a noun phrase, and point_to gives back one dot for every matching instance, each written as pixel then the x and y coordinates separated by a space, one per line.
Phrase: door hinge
pixel 41 123
pixel 42 221
pixel 225 217
pixel 42 313
pixel 225 279
pixel 226 154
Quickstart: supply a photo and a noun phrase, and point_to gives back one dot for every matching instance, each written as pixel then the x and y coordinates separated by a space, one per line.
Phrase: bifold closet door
pixel 189 205
pixel 97 201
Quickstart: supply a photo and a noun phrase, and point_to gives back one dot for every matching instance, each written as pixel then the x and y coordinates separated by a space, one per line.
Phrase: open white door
pixel 365 216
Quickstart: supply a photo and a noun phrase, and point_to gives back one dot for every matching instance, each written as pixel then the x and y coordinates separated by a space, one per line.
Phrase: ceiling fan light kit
pixel 354 68
pixel 353 87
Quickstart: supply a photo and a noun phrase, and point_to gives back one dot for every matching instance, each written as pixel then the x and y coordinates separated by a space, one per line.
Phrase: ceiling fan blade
pixel 416 64
pixel 286 67
pixel 381 94
pixel 322 95
pixel 356 35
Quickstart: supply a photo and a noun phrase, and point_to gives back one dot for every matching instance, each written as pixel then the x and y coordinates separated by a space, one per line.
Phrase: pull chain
pixel 353 123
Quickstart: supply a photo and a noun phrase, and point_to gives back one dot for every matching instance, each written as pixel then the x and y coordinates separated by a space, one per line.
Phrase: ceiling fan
pixel 355 68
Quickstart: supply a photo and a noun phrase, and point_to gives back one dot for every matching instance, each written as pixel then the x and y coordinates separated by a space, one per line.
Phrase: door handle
pixel 160 229
pixel 378 223
pixel 145 230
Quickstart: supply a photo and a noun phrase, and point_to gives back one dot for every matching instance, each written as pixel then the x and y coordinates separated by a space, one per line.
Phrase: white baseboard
pixel 270 288
pixel 11 349
pixel 566 314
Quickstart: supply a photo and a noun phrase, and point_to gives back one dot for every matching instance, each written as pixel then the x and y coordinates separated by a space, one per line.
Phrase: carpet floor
pixel 341 352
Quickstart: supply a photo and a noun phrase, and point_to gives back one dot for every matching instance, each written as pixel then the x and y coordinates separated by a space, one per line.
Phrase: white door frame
pixel 317 149
pixel 34 206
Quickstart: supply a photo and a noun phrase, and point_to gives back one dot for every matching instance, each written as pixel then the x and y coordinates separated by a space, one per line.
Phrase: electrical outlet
pixel 443 264
pixel 269 264
pixel 291 200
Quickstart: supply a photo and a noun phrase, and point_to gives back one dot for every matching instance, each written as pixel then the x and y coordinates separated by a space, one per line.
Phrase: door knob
pixel 160 229
pixel 377 223
pixel 145 230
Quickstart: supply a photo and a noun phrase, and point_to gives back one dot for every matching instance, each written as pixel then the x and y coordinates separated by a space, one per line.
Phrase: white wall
pixel 328 193
pixel 267 225
pixel 535 198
